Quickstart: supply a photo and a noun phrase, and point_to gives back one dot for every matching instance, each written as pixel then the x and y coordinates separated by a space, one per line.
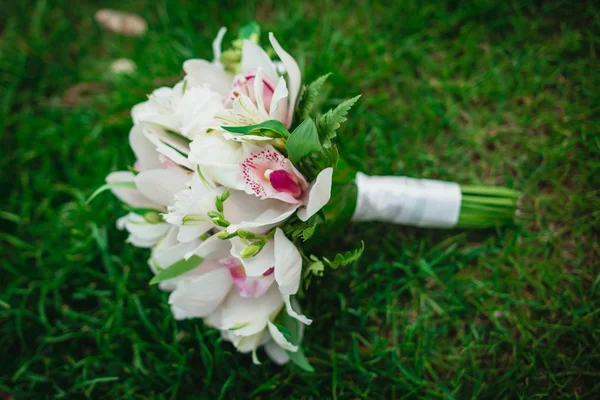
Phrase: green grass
pixel 486 92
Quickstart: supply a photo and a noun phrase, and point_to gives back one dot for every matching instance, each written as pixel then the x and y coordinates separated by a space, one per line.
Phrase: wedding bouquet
pixel 235 172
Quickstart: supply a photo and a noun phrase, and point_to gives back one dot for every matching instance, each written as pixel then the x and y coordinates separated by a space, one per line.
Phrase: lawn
pixel 493 92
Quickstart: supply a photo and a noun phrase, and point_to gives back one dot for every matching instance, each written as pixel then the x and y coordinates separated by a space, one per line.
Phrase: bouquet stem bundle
pixel 485 206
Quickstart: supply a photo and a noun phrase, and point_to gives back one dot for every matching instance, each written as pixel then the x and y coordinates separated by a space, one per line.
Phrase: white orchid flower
pixel 248 324
pixel 155 187
pixel 189 211
pixel 212 74
pixel 186 109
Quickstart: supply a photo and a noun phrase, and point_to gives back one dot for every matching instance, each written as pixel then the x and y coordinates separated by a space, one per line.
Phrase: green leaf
pixel 302 229
pixel 314 163
pixel 105 187
pixel 316 268
pixel 286 333
pixel 300 360
pixel 179 268
pixel 303 141
pixel 290 327
pixel 250 31
pixel 271 128
pixel 330 122
pixel 308 98
pixel 291 330
pixel 346 258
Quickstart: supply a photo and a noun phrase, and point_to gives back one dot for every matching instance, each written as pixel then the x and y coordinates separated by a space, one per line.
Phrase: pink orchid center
pixel 245 85
pixel 247 286
pixel 283 181
pixel 236 269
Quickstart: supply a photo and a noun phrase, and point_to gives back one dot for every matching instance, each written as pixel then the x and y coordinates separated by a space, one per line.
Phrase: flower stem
pixel 487 206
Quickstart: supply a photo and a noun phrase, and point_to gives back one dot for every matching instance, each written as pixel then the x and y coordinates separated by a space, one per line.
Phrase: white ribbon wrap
pixel 400 200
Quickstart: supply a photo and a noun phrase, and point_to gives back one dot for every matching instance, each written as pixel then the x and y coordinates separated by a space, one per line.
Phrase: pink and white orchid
pixel 240 306
pixel 259 93
pixel 267 174
pixel 281 257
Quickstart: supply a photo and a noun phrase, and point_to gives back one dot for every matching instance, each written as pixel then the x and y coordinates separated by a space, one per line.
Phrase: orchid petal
pixel 288 307
pixel 176 254
pixel 142 233
pixel 168 255
pixel 260 263
pixel 245 316
pixel 278 108
pixel 213 248
pixel 254 57
pixel 216 44
pixel 245 138
pixel 171 146
pixel 131 197
pixel 255 359
pixel 249 212
pixel 179 314
pixel 145 152
pixel 246 344
pixel 259 94
pixel 175 141
pixel 157 109
pixel 160 185
pixel 259 159
pixel 197 109
pixel 167 252
pixel 288 264
pixel 256 286
pixel 137 226
pixel 318 196
pixel 280 339
pixel 169 240
pixel 293 72
pixel 188 233
pixel 219 159
pixel 201 72
pixel 276 353
pixel 190 208
pixel 202 295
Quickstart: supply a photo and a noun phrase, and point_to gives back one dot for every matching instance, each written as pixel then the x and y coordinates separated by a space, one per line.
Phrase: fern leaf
pixel 308 98
pixel 330 122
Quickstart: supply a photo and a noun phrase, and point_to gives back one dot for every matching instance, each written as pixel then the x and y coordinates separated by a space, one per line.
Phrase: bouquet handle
pixel 401 200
